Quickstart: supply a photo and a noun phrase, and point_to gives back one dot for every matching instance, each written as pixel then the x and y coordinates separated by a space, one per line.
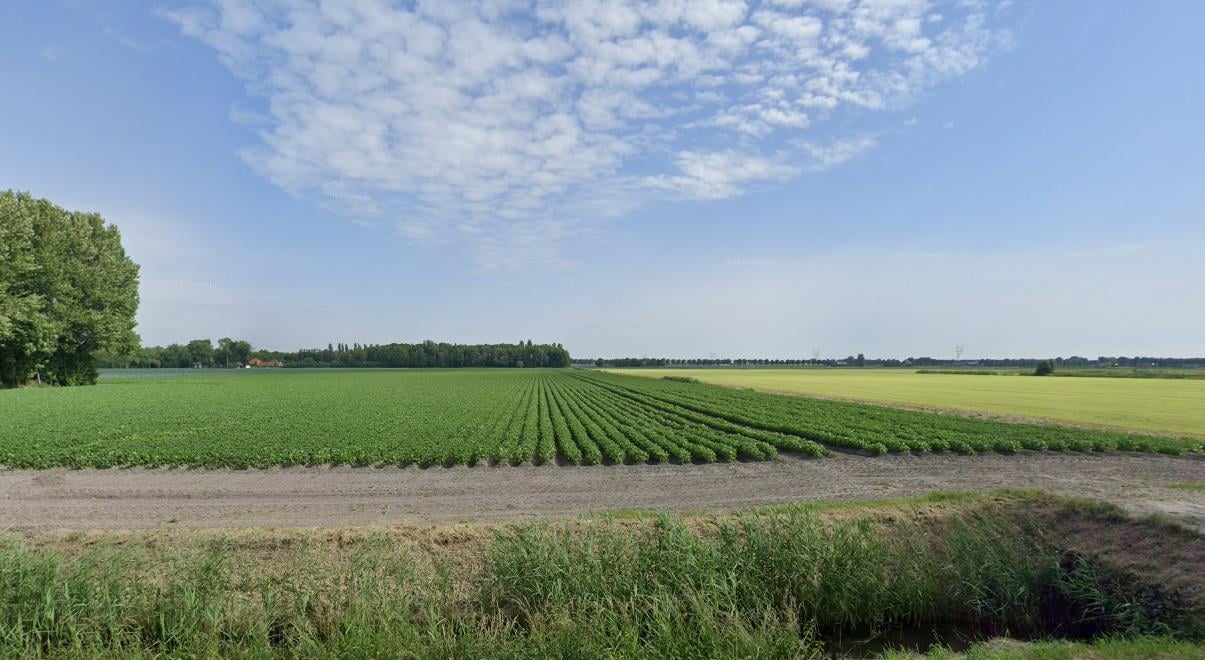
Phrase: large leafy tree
pixel 240 350
pixel 67 289
pixel 231 351
pixel 201 352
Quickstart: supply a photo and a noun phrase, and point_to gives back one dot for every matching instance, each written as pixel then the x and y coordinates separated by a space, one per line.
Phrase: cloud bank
pixel 504 125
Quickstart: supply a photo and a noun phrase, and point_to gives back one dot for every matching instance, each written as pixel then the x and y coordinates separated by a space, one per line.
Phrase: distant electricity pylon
pixel 815 355
pixel 958 352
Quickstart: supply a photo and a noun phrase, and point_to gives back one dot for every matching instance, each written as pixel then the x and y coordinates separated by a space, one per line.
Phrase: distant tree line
pixel 428 354
pixel 859 360
pixel 1045 368
pixel 228 353
pixel 233 353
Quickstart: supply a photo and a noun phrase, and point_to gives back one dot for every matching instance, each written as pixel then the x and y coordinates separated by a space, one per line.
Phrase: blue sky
pixel 665 178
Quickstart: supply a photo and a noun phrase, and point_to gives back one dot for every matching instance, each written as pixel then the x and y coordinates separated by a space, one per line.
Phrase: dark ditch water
pixel 954 637
pixel 1088 603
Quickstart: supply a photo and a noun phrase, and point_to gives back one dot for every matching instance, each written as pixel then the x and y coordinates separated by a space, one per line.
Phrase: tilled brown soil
pixel 341 496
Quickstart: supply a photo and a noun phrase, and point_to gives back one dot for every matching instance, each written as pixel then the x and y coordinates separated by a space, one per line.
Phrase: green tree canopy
pixel 67 289
pixel 201 352
pixel 231 352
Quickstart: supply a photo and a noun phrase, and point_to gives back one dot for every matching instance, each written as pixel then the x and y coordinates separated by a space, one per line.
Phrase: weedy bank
pixel 935 573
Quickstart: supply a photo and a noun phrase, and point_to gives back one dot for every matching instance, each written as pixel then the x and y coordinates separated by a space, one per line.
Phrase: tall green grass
pixel 777 585
pixel 832 579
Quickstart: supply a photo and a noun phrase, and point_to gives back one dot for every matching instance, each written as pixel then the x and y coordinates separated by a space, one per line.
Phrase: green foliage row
pixel 197 353
pixel 873 429
pixel 249 418
pixel 234 352
pixel 426 417
pixel 426 354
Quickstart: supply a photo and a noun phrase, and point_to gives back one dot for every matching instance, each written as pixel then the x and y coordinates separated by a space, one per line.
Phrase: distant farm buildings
pixel 256 362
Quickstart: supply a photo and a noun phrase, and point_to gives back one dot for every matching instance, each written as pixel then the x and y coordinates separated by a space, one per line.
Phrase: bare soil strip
pixel 340 496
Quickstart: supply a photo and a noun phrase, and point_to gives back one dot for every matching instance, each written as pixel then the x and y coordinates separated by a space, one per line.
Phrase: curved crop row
pixel 435 416
pixel 674 434
pixel 877 429
pixel 719 420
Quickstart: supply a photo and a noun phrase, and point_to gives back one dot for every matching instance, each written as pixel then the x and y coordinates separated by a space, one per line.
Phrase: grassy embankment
pixel 1156 405
pixel 783 582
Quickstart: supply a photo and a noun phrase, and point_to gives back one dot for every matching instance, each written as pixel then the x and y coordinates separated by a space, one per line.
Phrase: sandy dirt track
pixel 348 496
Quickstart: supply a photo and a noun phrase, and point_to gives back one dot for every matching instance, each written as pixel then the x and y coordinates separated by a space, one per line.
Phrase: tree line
pixel 69 295
pixel 233 353
pixel 859 360
pixel 227 353
pixel 67 290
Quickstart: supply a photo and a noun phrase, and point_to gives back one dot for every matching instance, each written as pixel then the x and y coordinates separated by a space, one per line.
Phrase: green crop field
pixel 1174 406
pixel 239 419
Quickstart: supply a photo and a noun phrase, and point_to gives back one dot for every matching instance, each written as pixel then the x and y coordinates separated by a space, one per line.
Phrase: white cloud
pixel 720 174
pixel 498 123
pixel 52 54
pixel 831 154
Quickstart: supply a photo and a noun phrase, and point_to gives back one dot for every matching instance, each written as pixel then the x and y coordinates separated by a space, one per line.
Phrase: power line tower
pixel 815 355
pixel 958 352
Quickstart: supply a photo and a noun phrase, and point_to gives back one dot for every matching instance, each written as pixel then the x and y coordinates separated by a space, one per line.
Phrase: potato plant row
pixel 476 417
pixel 364 417
pixel 592 424
pixel 874 429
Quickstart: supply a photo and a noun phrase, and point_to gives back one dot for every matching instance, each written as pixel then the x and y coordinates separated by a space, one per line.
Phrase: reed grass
pixel 780 584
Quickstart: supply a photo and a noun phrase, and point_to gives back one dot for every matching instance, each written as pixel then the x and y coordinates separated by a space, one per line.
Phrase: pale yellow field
pixel 1145 404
